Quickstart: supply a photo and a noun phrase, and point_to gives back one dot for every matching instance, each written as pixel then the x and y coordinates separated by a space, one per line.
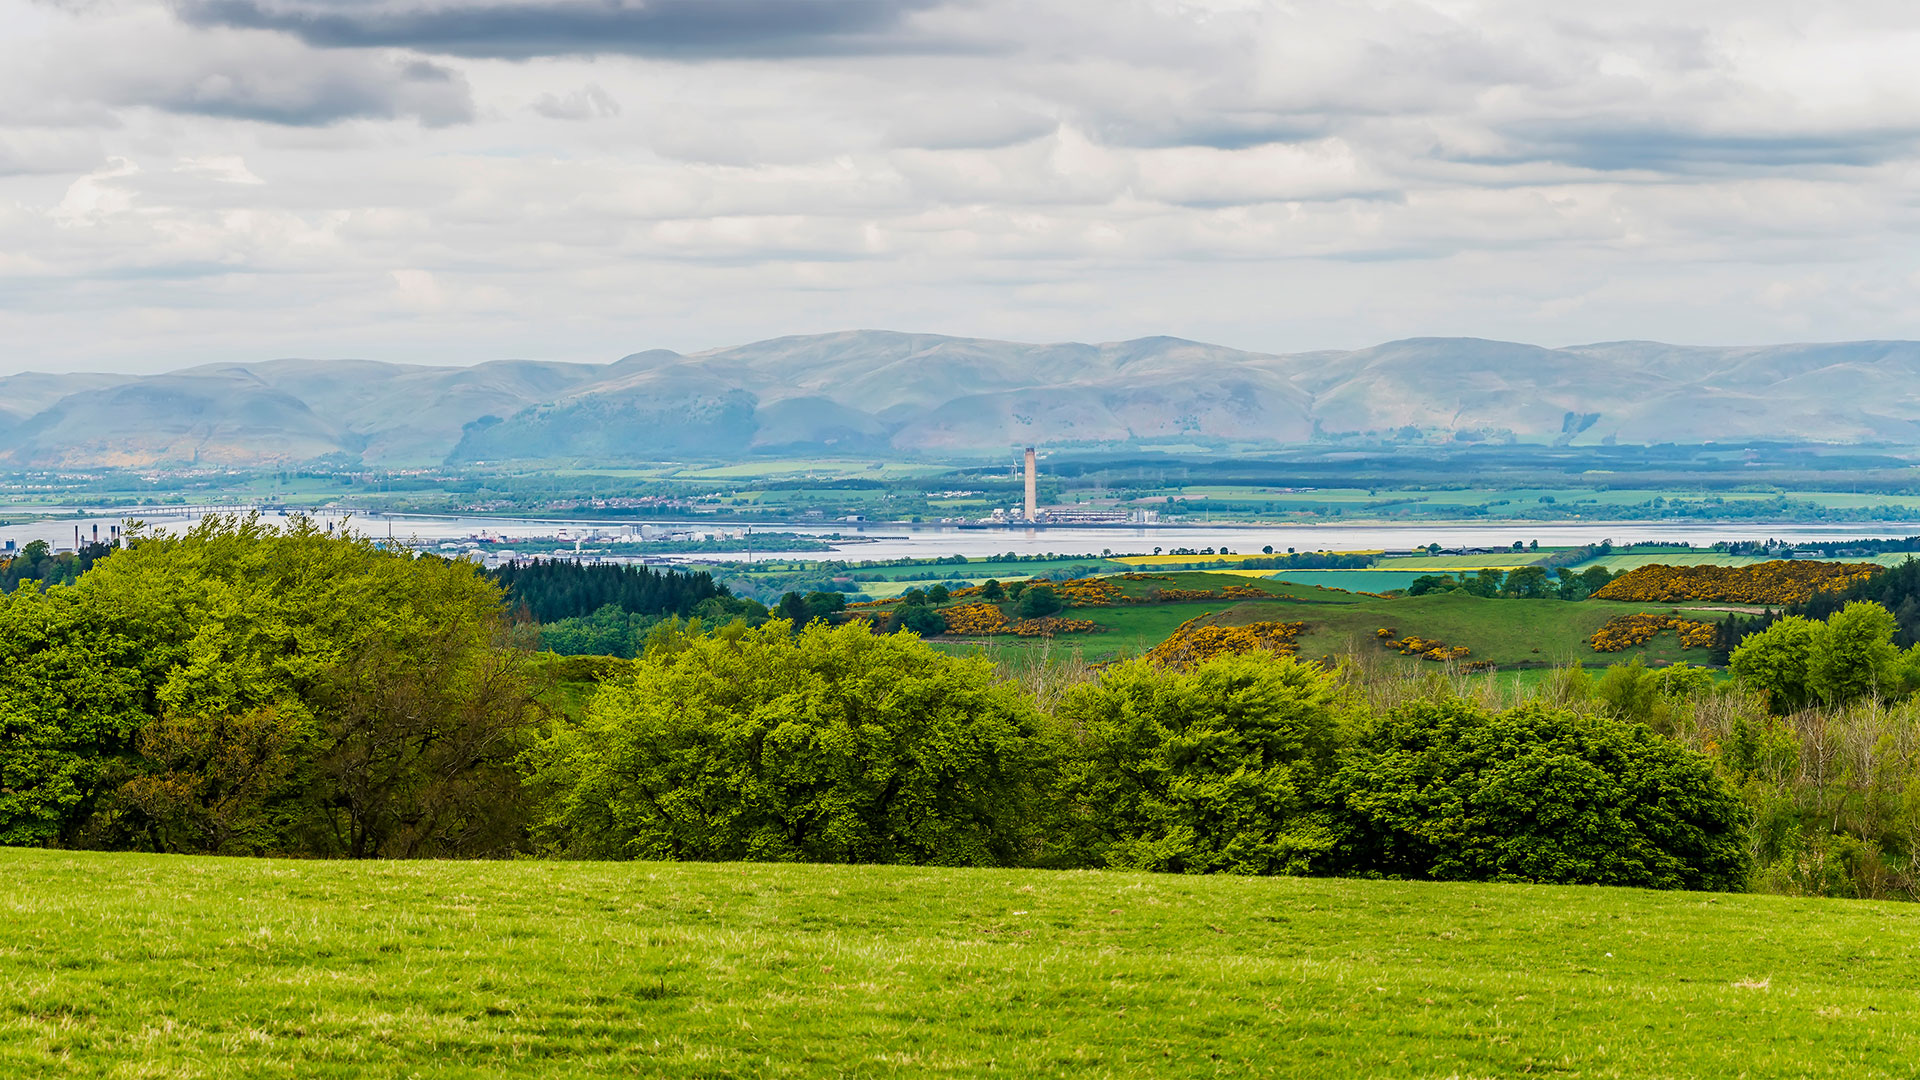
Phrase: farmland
pixel 164 966
pixel 1508 633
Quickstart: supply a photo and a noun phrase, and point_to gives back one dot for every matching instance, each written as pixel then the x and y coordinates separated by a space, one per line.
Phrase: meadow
pixel 1509 633
pixel 170 966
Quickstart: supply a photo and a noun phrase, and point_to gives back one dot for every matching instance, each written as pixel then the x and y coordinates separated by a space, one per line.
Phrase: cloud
pixel 516 29
pixel 587 103
pixel 224 168
pixel 88 69
pixel 303 90
pixel 1275 176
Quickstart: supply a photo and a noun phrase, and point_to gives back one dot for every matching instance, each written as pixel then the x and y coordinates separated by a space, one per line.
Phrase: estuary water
pixel 888 541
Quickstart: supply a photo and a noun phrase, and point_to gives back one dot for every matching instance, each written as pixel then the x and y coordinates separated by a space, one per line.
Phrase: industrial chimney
pixel 1033 488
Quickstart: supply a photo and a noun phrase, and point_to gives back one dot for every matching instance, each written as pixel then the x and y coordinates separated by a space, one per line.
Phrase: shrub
pixel 1448 791
pixel 1196 641
pixel 829 745
pixel 1210 770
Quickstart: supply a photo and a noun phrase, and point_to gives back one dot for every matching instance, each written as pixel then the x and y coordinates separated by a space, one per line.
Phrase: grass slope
pixel 154 966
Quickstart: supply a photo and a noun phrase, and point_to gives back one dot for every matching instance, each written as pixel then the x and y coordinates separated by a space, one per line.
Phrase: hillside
pixel 879 393
pixel 158 965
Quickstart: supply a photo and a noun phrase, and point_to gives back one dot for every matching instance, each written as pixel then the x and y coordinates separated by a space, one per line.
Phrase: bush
pixel 1447 791
pixel 1215 769
pixel 826 745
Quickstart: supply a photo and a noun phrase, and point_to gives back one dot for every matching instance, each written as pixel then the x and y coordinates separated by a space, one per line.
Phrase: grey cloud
pixel 301 91
pixel 1619 146
pixel 520 29
pixel 589 102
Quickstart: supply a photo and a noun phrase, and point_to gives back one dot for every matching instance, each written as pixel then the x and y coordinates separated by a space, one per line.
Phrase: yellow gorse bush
pixel 1775 584
pixel 1194 643
pixel 1627 631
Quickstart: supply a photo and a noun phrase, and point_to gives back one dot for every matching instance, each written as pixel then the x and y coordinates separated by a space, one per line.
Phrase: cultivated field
pixel 153 966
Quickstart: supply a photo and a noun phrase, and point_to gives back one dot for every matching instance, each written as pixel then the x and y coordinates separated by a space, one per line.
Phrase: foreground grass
pixel 149 966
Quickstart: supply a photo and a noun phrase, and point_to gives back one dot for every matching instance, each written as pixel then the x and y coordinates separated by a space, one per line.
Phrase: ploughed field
pixel 166 966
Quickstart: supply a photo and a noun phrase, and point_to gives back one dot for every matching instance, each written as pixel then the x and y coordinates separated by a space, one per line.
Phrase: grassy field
pixel 155 966
pixel 1509 633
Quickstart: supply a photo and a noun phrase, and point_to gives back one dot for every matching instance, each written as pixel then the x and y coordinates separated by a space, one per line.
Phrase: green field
pixel 1509 633
pixel 159 966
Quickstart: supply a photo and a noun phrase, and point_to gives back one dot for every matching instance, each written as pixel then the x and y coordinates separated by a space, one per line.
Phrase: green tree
pixel 922 619
pixel 829 745
pixel 1776 661
pixel 1215 769
pixel 1630 691
pixel 1448 791
pixel 1039 601
pixel 991 591
pixel 202 636
pixel 1527 583
pixel 72 700
pixel 1485 583
pixel 1853 655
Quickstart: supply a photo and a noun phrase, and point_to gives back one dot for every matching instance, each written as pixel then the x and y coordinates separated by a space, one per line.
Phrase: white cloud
pixel 1270 175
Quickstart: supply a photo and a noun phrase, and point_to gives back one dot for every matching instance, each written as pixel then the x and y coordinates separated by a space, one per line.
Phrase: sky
pixel 451 181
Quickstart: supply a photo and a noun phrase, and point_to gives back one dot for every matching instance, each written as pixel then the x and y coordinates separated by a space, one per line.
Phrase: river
pixel 875 541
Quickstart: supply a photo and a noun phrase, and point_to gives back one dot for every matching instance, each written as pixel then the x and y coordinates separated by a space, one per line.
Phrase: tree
pixel 1039 601
pixel 1776 660
pixel 939 594
pixel 1629 690
pixel 212 779
pixel 821 605
pixel 991 591
pixel 1485 583
pixel 1431 583
pixel 72 699
pixel 826 745
pixel 184 667
pixel 1853 655
pixel 793 608
pixel 1214 769
pixel 1527 583
pixel 1448 791
pixel 922 619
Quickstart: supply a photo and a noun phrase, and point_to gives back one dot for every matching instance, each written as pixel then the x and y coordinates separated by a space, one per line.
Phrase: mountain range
pixel 889 394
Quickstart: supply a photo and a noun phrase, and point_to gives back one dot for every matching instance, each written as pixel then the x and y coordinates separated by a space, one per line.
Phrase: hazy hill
pixel 877 392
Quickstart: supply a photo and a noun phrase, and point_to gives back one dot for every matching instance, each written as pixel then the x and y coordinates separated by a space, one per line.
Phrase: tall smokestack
pixel 1033 488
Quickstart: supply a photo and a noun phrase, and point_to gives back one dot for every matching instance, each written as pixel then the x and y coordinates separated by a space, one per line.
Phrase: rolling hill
pixel 881 393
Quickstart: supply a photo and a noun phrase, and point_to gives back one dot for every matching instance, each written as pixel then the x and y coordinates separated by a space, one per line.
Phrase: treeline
pixel 1520 583
pixel 551 589
pixel 1896 588
pixel 37 562
pixel 837 745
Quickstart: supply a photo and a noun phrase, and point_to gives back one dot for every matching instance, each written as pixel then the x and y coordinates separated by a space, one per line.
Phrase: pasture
pixel 165 966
